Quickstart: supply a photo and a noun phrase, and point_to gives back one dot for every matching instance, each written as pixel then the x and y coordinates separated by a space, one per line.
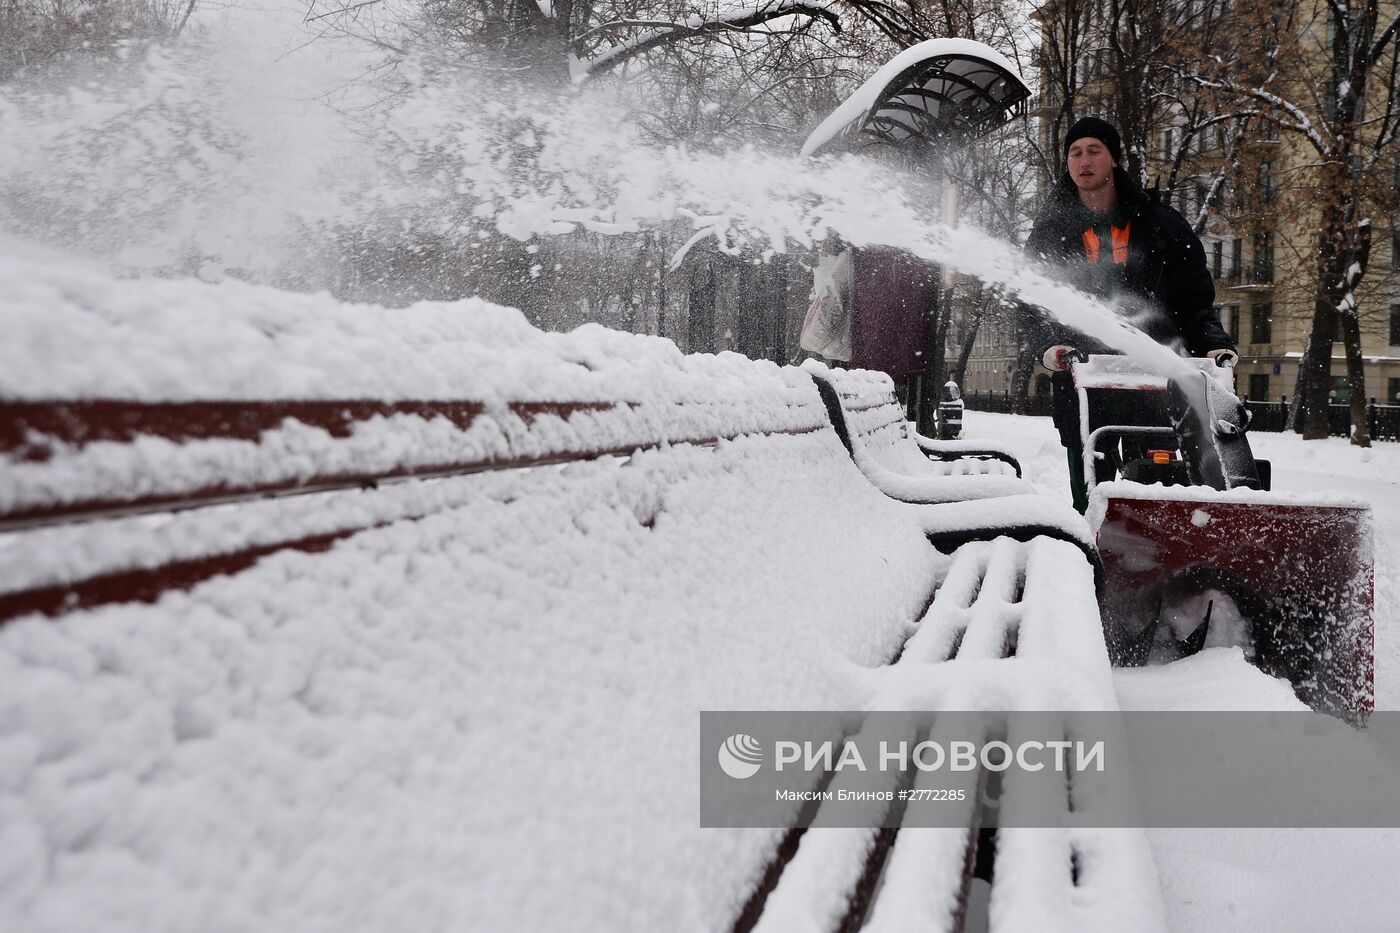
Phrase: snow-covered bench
pixel 358 619
pixel 1012 626
pixel 865 411
pixel 972 482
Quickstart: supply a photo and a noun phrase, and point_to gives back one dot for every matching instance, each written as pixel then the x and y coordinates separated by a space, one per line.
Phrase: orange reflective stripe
pixel 1091 246
pixel 1120 242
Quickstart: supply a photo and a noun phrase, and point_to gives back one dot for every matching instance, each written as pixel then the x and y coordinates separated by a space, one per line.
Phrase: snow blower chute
pixel 1199 553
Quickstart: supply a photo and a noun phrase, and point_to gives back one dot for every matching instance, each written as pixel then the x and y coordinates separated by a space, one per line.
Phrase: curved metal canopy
pixel 938 91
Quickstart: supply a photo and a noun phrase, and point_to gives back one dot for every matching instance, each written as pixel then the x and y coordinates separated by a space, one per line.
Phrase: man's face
pixel 1090 164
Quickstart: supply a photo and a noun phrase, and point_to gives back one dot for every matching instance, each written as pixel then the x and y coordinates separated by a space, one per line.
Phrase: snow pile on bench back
pixel 76 334
pixel 481 713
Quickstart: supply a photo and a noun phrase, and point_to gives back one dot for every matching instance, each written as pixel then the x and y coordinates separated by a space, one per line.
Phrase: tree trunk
pixel 1317 367
pixel 1331 251
pixel 959 373
pixel 1356 378
pixel 1021 379
pixel 1300 384
pixel 977 306
pixel 938 340
pixel 1025 364
pixel 660 279
pixel 539 44
pixel 1359 256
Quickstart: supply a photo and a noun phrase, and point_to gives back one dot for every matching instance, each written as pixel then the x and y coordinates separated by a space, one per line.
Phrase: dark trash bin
pixel 950 411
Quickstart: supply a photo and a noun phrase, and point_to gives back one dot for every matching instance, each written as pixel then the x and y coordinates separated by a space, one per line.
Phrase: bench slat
pixel 146 585
pixel 930 870
pixel 286 446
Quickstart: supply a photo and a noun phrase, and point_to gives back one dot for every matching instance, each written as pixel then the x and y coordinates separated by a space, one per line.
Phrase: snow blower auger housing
pixel 1198 552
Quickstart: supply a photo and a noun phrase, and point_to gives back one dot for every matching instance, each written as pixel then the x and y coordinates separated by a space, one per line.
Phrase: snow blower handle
pixel 1059 358
pixel 1210 424
pixel 1223 357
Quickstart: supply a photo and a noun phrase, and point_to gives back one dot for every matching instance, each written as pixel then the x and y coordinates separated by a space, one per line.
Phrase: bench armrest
pixel 953 450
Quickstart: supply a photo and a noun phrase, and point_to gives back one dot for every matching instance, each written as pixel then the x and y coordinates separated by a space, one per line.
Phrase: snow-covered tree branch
pixel 694 26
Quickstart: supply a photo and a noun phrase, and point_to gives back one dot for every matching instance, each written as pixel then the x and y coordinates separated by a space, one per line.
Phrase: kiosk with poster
pixel 933 95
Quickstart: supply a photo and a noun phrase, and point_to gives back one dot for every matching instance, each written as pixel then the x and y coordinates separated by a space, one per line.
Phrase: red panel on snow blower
pixel 1301 572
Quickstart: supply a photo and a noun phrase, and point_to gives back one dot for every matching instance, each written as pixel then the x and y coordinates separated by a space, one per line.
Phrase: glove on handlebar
pixel 1058 357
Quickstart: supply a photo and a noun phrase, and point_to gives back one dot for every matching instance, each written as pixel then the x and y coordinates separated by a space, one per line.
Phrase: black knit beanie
pixel 1099 129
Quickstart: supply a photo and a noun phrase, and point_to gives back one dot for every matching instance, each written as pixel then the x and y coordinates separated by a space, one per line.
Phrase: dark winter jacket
pixel 1168 291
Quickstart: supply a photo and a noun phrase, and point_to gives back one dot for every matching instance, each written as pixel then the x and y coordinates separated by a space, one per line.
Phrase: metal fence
pixel 1004 402
pixel 1383 420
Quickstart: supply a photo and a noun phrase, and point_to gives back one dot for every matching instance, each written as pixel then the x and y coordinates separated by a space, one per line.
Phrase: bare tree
pixel 557 41
pixel 1061 59
pixel 1338 98
pixel 997 192
pixel 37 33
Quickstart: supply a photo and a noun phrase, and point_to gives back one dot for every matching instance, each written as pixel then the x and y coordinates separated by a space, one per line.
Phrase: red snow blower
pixel 1199 553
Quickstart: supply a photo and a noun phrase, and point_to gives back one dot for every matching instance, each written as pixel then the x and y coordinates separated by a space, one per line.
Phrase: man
pixel 1118 242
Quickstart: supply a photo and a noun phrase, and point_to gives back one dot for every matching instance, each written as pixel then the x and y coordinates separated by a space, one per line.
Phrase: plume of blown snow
pixel 234 150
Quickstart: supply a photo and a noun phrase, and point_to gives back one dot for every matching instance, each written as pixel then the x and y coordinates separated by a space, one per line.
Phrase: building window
pixel 1258 387
pixel 1263 258
pixel 1236 260
pixel 1395 325
pixel 1261 324
pixel 1234 324
pixel 1395 249
pixel 1392 391
pixel 1217 257
pixel 1267 188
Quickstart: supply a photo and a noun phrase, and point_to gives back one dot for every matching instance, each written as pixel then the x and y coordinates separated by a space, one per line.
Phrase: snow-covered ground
pixel 1263 879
